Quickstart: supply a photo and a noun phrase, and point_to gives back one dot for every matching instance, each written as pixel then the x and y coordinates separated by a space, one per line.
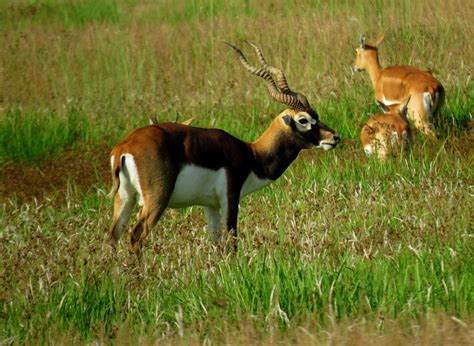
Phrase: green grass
pixel 38 135
pixel 21 14
pixel 276 288
pixel 344 241
pixel 339 245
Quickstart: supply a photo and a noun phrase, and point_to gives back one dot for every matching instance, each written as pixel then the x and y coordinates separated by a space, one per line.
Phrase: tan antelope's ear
pixel 362 40
pixel 379 40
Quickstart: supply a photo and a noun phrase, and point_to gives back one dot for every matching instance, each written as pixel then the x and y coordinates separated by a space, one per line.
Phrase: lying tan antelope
pixel 175 165
pixel 387 133
pixel 392 85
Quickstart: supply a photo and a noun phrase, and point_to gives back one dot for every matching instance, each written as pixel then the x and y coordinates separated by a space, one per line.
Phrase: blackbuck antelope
pixel 175 165
pixel 387 133
pixel 394 84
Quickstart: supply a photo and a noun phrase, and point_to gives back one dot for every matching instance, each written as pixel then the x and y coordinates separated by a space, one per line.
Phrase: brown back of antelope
pixel 387 133
pixel 176 165
pixel 392 85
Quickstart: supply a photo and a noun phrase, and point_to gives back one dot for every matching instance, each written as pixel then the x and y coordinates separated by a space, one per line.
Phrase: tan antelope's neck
pixel 274 150
pixel 373 68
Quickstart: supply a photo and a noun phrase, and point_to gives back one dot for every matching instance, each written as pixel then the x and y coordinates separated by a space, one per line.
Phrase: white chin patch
pixel 326 146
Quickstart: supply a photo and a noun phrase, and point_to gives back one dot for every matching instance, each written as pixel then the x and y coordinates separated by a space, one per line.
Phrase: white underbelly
pixel 206 187
pixel 199 186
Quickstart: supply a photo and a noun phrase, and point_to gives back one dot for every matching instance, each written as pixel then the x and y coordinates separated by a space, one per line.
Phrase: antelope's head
pixel 300 119
pixel 366 53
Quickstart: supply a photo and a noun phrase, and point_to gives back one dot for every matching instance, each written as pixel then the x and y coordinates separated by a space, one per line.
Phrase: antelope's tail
pixel 116 167
pixel 431 104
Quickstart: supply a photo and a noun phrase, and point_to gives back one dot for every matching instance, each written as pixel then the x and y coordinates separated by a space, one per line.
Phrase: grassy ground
pixel 341 248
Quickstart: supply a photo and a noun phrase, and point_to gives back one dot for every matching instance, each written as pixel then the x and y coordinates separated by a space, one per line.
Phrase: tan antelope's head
pixel 366 53
pixel 301 120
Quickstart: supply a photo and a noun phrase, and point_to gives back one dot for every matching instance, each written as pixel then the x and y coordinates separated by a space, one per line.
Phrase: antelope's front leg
pixel 233 200
pixel 228 214
pixel 213 218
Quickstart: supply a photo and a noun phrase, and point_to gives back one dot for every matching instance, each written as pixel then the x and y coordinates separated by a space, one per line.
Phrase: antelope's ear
pixel 287 119
pixel 379 40
pixel 362 40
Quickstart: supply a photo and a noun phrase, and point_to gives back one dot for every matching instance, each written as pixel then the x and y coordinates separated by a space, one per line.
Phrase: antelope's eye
pixel 303 121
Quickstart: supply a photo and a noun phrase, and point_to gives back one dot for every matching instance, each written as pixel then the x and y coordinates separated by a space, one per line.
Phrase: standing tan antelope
pixel 392 85
pixel 175 165
pixel 388 132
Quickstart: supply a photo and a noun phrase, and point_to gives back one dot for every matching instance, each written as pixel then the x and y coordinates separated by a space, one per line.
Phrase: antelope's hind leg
pixel 124 201
pixel 145 223
pixel 155 201
pixel 420 117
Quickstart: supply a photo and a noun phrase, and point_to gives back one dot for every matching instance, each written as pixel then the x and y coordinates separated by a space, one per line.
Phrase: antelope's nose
pixel 337 139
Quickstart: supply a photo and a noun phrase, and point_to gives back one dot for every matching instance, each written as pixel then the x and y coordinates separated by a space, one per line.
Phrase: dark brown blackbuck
pixel 394 84
pixel 171 165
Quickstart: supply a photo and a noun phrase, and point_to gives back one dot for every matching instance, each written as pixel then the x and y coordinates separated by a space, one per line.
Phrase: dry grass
pixel 153 62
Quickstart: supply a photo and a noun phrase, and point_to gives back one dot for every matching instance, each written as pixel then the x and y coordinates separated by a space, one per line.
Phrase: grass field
pixel 341 249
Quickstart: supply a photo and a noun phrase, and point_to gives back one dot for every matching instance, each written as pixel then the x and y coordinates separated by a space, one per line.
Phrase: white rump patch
pixel 129 178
